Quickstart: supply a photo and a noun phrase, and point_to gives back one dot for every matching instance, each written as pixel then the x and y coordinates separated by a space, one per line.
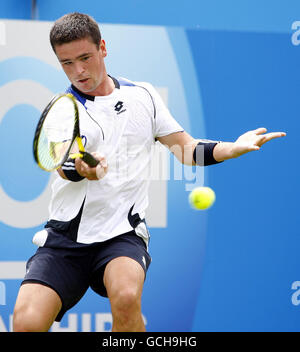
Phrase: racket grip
pixel 89 159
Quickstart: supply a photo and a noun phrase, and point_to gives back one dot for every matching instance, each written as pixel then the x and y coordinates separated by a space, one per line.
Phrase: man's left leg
pixel 124 280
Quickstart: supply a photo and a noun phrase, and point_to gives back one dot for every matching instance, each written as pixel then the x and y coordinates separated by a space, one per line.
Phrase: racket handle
pixel 89 159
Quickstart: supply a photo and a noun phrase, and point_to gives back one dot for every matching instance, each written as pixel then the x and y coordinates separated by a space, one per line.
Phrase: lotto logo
pixel 119 105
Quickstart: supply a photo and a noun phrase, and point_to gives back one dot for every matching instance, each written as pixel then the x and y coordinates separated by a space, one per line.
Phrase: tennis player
pixel 96 235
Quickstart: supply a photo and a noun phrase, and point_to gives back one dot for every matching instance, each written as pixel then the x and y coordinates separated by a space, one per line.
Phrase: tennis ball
pixel 202 198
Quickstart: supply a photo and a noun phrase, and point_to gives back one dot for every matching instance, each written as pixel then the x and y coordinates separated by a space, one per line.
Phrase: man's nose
pixel 79 68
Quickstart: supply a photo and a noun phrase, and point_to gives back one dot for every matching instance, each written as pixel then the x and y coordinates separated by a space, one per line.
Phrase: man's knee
pixel 127 298
pixel 28 319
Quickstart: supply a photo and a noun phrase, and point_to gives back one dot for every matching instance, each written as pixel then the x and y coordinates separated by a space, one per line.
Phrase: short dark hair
pixel 74 26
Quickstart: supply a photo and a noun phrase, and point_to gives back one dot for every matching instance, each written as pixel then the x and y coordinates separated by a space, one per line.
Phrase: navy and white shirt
pixel 122 126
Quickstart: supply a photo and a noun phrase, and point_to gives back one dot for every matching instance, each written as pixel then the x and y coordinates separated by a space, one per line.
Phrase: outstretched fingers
pixel 260 130
pixel 268 137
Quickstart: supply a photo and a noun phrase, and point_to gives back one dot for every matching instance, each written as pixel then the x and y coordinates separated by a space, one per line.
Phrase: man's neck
pixel 106 87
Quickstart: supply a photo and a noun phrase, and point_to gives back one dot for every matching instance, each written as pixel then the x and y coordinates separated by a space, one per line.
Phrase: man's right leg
pixel 36 308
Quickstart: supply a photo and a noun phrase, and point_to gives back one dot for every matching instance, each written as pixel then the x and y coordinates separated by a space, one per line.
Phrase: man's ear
pixel 103 48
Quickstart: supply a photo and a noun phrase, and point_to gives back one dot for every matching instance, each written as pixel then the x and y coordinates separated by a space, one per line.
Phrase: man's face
pixel 83 63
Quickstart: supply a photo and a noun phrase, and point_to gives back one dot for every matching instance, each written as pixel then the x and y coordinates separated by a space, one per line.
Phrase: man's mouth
pixel 82 80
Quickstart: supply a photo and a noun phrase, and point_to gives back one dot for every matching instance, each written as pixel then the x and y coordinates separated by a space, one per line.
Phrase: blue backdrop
pixel 234 267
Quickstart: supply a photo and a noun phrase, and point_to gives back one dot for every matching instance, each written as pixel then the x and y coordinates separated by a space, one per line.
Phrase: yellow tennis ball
pixel 202 198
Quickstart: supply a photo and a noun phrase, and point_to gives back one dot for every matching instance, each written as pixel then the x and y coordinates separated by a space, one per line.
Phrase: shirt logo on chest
pixel 119 107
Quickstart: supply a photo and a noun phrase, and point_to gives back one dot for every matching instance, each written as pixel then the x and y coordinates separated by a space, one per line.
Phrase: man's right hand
pixel 92 173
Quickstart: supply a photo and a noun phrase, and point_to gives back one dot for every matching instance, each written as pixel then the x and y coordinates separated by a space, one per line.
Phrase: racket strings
pixel 56 134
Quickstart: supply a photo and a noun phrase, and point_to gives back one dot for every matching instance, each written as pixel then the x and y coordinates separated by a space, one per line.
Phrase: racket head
pixel 56 132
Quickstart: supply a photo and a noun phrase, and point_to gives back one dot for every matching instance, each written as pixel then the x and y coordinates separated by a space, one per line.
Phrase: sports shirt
pixel 123 127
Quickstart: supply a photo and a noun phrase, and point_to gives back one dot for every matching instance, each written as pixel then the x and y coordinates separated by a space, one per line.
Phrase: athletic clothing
pixel 70 268
pixel 122 126
pixel 93 222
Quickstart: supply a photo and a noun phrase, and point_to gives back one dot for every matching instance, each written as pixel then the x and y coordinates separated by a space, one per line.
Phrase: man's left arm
pixel 182 145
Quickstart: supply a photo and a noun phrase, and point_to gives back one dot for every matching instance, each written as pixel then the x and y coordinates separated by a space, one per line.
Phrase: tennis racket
pixel 57 135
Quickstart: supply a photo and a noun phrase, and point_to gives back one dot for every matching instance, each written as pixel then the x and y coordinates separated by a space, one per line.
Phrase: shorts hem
pixel 102 292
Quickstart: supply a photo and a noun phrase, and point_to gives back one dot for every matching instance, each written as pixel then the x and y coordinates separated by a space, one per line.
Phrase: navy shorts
pixel 70 268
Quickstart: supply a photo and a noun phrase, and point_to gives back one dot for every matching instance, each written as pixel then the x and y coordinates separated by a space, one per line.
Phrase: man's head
pixel 74 26
pixel 77 43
